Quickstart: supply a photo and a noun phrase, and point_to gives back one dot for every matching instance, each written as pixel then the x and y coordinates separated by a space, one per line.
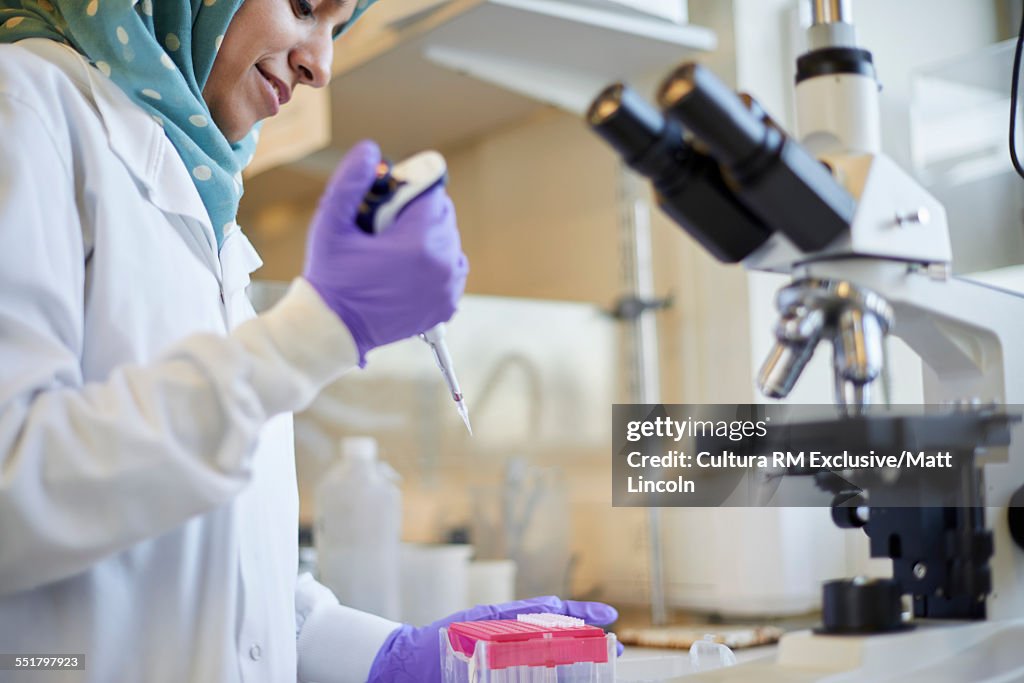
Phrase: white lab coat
pixel 148 502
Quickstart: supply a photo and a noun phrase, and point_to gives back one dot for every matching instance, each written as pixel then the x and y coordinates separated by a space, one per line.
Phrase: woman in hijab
pixel 148 505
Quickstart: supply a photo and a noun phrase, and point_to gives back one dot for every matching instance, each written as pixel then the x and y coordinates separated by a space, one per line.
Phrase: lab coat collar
pixel 135 137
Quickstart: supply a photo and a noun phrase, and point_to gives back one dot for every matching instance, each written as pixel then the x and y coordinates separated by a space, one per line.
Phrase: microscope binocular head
pixel 722 169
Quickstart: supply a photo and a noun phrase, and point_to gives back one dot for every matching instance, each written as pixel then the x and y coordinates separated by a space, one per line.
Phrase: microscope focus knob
pixel 1015 517
pixel 862 606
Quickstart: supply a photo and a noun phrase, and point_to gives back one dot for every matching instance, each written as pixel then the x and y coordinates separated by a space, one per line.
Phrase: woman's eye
pixel 304 8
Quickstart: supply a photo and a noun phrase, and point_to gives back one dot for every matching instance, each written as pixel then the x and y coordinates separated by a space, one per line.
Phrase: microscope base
pixel 982 652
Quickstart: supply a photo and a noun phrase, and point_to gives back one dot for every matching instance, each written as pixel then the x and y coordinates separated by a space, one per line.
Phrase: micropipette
pixel 395 188
pixel 435 339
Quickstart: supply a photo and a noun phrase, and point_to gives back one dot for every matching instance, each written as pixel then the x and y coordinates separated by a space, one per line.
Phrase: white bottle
pixel 358 530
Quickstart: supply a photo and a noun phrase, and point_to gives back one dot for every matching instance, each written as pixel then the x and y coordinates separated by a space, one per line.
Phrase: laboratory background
pixel 564 241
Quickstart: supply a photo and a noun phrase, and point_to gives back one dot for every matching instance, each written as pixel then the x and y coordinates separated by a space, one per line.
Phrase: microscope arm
pixel 959 328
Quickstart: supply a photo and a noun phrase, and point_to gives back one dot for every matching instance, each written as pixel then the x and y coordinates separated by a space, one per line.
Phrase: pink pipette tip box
pixel 541 642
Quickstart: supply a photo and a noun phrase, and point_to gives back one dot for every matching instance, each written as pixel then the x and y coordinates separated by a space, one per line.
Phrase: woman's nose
pixel 312 61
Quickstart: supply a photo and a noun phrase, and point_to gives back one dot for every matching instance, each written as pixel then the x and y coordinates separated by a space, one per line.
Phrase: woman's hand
pixel 412 655
pixel 390 286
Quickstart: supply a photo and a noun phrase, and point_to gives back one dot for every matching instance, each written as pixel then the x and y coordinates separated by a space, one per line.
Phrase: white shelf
pixel 959 127
pixel 987 69
pixel 960 115
pixel 462 68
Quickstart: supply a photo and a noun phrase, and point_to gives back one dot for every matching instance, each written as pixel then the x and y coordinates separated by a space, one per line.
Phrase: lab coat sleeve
pixel 336 644
pixel 89 469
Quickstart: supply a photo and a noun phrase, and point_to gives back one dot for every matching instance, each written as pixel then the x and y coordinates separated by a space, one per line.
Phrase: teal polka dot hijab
pixel 160 53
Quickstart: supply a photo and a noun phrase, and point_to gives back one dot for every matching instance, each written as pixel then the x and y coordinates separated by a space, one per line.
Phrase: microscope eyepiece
pixel 644 139
pixel 785 187
pixel 606 105
pixel 689 184
pixel 696 98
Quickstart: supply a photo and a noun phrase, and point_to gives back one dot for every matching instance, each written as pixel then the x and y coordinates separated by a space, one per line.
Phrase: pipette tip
pixel 464 414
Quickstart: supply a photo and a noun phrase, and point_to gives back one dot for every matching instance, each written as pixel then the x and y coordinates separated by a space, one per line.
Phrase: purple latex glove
pixel 390 286
pixel 412 655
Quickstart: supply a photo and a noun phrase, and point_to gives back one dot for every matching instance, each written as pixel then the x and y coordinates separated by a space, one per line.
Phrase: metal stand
pixel 638 310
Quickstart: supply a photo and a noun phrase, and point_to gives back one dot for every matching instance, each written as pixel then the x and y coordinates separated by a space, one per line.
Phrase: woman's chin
pixel 235 130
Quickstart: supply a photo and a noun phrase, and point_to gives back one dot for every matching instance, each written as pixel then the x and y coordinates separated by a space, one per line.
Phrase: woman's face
pixel 271 47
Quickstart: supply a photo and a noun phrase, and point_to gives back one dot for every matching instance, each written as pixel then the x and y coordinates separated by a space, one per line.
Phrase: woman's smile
pixel 274 91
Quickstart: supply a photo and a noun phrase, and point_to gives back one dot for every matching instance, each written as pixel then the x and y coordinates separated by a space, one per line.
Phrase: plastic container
pixel 434 580
pixel 358 530
pixel 545 651
pixel 709 654
pixel 752 561
pixel 491 582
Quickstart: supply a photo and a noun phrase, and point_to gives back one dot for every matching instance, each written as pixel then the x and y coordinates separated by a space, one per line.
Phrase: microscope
pixel 869 254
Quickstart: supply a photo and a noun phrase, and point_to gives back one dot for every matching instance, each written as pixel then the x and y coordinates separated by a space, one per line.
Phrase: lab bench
pixel 676 661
